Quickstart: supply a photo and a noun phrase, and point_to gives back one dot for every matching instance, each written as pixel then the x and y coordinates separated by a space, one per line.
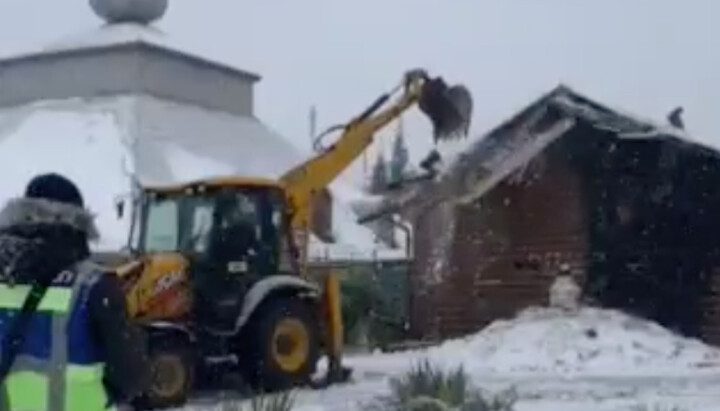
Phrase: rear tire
pixel 172 372
pixel 281 345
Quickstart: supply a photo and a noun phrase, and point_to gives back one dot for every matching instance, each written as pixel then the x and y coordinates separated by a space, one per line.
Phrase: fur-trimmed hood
pixel 40 238
pixel 37 211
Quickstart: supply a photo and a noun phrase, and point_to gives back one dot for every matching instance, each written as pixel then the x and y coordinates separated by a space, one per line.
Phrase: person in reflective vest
pixel 79 351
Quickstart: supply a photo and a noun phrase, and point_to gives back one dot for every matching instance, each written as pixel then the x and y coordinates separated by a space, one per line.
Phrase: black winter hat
pixel 54 187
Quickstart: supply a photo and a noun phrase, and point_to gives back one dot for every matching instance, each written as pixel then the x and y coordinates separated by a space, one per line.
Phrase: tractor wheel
pixel 282 345
pixel 172 370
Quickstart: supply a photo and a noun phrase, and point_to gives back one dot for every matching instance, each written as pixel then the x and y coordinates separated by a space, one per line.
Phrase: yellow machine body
pixel 158 287
pixel 158 284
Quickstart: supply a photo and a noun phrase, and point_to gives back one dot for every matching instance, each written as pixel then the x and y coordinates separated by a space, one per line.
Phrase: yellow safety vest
pixel 43 376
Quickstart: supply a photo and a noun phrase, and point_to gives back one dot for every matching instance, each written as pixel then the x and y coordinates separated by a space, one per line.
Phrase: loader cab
pixel 231 226
pixel 231 232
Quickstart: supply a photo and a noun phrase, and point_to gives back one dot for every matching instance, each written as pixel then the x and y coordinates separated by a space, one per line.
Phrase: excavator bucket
pixel 448 108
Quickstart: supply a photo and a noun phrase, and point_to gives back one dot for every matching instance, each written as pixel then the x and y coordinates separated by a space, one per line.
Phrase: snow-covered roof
pixel 110 35
pixel 515 142
pixel 173 142
pixel 197 143
pixel 100 143
pixel 84 144
pixel 472 167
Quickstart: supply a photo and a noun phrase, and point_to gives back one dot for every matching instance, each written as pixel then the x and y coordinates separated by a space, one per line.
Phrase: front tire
pixel 282 345
pixel 172 367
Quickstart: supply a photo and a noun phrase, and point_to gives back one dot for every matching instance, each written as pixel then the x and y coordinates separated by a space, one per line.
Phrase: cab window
pixel 201 226
pixel 162 229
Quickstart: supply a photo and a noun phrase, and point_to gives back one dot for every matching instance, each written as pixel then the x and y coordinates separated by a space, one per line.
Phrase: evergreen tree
pixel 379 178
pixel 399 160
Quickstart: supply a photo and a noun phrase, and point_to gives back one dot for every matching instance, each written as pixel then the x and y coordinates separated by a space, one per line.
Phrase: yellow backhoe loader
pixel 216 269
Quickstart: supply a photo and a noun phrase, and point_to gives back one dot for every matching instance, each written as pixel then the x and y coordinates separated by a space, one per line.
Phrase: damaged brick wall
pixel 432 241
pixel 506 250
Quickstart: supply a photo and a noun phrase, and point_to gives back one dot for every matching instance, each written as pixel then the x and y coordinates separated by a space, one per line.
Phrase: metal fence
pixel 376 297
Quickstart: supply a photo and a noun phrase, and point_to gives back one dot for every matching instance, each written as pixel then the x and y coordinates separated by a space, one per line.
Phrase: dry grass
pixel 270 402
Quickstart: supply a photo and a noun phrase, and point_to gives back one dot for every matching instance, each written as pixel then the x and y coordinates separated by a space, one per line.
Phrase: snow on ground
pixel 544 341
pixel 590 360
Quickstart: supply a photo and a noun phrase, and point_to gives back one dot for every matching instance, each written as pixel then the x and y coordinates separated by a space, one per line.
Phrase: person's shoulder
pixel 97 280
pixel 102 278
pixel 105 292
pixel 81 272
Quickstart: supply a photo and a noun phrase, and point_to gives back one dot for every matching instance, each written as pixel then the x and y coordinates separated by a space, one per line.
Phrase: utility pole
pixel 312 120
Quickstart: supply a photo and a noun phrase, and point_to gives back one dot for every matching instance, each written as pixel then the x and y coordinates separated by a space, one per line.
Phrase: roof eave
pixel 132 44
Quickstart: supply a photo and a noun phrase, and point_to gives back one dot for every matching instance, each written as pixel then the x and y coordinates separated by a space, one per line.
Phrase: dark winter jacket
pixel 41 238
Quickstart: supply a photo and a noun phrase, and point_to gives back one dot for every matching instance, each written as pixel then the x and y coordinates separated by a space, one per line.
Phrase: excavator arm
pixel 448 108
pixel 449 111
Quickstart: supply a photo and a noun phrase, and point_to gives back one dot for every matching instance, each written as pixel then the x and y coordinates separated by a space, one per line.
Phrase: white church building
pixel 120 104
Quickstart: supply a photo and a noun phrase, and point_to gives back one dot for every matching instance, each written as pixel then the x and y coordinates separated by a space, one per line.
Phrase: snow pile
pixel 548 342
pixel 590 341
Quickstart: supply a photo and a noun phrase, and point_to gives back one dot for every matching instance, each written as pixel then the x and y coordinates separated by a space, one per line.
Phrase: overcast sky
pixel 646 56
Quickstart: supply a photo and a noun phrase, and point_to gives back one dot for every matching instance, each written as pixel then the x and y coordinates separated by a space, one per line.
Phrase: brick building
pixel 629 205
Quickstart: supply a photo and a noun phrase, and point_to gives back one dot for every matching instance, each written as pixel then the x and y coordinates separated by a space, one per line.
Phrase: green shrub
pixel 365 302
pixel 428 388
pixel 356 303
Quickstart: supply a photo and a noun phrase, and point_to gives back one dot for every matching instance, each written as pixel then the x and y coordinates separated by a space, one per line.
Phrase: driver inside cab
pixel 234 243
pixel 221 276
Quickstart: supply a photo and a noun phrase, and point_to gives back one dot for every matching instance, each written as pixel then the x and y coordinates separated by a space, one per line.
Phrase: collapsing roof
pixel 486 161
